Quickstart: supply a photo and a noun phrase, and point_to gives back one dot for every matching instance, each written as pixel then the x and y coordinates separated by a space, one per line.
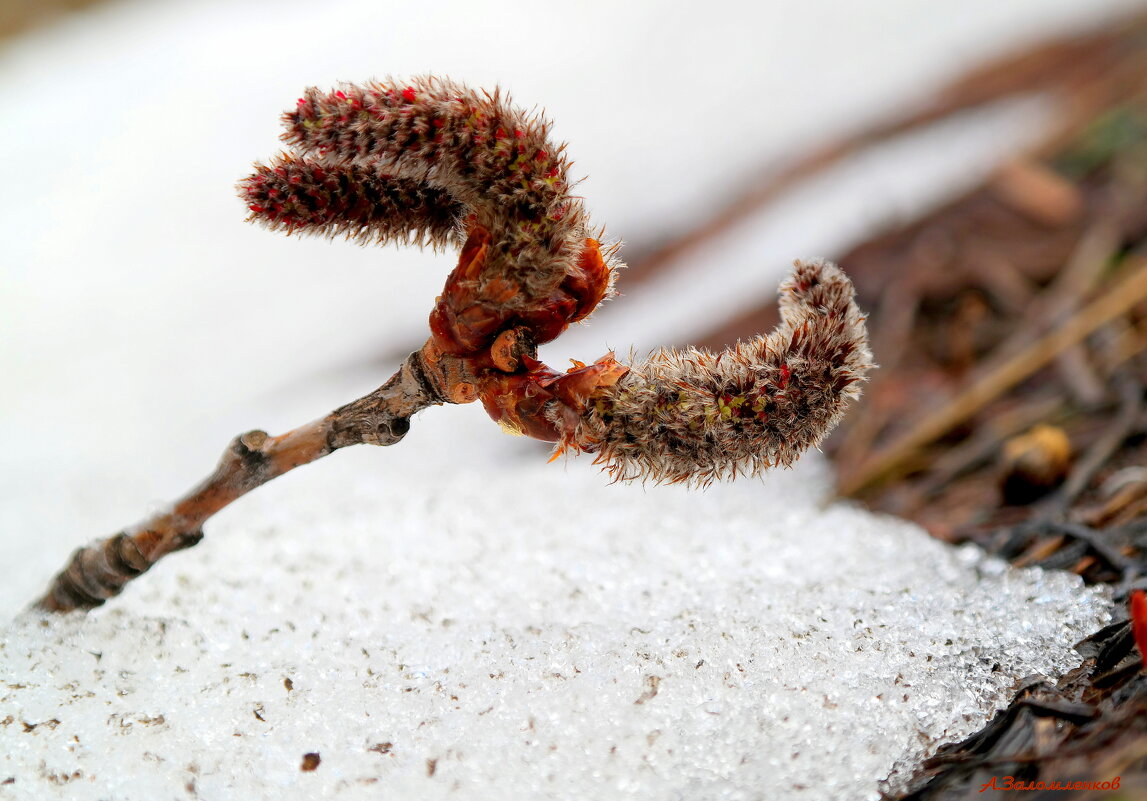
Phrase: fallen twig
pixel 435 163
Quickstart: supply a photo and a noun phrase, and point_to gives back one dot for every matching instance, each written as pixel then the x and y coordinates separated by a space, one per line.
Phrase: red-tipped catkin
pixel 694 416
pixel 489 156
pixel 298 194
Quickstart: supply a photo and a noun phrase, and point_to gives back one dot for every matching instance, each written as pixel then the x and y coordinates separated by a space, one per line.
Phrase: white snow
pixel 455 596
pixel 533 634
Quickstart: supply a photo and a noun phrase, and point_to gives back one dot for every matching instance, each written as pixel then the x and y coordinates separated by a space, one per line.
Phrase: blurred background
pixel 979 168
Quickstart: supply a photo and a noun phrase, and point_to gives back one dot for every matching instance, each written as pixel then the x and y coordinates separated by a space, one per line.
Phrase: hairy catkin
pixel 491 158
pixel 694 416
pixel 299 195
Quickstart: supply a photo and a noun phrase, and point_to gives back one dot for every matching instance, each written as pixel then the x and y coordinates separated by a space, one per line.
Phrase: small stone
pixel 1035 463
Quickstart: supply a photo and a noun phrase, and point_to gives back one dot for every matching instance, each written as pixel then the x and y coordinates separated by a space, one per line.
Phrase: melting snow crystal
pixel 546 637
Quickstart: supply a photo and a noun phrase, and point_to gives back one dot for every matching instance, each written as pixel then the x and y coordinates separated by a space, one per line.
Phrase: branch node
pixel 253 440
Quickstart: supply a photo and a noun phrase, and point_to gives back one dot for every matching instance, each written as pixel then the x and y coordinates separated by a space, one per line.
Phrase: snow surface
pixel 535 636
pixel 496 620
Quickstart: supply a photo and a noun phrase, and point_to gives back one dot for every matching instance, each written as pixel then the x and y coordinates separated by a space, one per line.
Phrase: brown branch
pixel 99 571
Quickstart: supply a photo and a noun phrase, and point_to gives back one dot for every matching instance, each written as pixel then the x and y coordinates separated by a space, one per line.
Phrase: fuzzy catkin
pixel 490 157
pixel 694 416
pixel 299 195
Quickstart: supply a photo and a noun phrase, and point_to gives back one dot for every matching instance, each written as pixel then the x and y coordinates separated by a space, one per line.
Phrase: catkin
pixel 297 194
pixel 695 416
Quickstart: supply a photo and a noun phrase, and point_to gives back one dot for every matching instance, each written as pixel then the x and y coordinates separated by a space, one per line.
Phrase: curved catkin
pixel 300 195
pixel 694 416
pixel 489 156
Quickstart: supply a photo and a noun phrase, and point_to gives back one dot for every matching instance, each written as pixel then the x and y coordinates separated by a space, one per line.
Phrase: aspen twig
pixel 437 164
pixel 100 570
